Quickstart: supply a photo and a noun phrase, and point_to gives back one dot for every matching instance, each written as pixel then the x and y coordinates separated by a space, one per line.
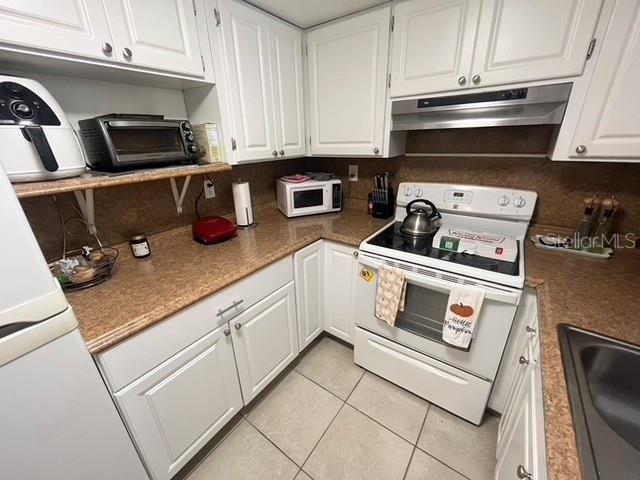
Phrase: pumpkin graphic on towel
pixel 464 311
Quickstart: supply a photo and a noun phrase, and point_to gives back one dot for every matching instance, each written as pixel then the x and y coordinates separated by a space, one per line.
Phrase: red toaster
pixel 213 229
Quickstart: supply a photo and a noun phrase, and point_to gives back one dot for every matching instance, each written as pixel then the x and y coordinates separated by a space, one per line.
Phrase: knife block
pixel 382 209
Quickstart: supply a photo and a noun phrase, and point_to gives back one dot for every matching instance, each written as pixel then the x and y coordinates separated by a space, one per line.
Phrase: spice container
pixel 140 246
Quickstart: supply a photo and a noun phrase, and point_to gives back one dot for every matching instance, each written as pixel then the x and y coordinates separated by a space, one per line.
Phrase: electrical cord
pixel 201 192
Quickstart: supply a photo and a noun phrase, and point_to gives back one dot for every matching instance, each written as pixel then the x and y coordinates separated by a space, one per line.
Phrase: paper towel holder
pixel 246 209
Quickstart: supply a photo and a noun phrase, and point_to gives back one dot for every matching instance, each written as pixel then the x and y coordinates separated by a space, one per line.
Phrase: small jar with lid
pixel 140 246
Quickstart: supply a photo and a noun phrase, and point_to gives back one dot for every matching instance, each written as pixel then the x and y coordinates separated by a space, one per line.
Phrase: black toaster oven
pixel 117 142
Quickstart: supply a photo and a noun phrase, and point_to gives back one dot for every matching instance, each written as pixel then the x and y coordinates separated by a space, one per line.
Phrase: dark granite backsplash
pixel 561 186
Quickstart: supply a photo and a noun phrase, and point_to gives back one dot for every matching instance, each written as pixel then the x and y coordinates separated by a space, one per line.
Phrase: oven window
pixel 140 141
pixel 424 312
pixel 308 198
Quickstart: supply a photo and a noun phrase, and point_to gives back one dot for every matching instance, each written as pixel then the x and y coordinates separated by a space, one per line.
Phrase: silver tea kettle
pixel 420 222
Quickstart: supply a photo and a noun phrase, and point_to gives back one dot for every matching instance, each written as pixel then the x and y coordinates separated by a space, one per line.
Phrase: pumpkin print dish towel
pixel 461 317
pixel 390 293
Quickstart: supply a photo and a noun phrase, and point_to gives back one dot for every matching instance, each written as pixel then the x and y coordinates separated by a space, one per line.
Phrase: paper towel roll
pixel 242 203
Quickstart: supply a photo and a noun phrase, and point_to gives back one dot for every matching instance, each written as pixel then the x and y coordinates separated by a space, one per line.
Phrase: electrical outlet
pixel 353 173
pixel 209 189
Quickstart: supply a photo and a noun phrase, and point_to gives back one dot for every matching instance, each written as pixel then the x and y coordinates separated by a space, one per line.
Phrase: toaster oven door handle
pixel 36 136
pixel 141 124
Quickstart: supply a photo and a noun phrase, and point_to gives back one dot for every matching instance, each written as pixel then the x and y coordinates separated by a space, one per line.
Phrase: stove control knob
pixel 519 202
pixel 503 201
pixel 407 192
pixel 418 192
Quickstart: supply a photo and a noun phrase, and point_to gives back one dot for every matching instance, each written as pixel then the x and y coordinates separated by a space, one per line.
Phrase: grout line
pixel 415 445
pixel 272 443
pixel 319 385
pixel 440 461
pixel 323 434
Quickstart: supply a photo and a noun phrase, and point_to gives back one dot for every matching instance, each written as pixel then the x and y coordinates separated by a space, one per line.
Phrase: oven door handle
pixel 444 286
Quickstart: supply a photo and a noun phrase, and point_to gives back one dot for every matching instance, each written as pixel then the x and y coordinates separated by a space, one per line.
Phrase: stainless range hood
pixel 517 106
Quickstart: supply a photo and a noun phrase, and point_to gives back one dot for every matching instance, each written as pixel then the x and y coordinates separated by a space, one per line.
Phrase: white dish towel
pixel 390 293
pixel 461 317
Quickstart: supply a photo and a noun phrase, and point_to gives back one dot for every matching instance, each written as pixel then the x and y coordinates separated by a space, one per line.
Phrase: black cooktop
pixel 391 237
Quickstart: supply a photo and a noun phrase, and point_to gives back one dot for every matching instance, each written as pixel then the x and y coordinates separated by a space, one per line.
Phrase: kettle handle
pixel 434 211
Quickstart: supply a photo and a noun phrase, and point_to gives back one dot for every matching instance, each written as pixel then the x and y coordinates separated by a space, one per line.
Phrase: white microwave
pixel 310 197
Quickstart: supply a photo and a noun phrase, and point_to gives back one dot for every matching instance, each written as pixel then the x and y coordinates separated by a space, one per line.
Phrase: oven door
pixel 307 200
pixel 139 142
pixel 419 326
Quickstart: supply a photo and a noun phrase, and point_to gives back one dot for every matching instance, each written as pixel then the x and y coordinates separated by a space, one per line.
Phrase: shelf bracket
pixel 85 202
pixel 178 198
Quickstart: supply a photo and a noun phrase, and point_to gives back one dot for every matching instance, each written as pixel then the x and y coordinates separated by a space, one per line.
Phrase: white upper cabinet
pixel 608 127
pixel 432 45
pixel 156 34
pixel 247 58
pixel 347 69
pixel 448 45
pixel 285 47
pixel 523 40
pixel 264 73
pixel 66 26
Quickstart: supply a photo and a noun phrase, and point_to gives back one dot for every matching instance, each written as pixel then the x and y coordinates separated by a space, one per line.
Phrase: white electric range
pixel 480 243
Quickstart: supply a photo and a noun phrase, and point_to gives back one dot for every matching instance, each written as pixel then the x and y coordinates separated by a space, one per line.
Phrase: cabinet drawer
pixel 134 357
pixel 455 390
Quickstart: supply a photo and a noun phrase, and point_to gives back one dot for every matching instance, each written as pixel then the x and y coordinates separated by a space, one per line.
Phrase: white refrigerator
pixel 57 419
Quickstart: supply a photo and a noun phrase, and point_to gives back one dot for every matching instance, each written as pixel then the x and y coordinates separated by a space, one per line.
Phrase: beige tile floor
pixel 328 419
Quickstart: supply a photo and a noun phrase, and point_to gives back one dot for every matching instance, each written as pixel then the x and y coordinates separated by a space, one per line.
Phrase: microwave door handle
pixel 444 286
pixel 36 136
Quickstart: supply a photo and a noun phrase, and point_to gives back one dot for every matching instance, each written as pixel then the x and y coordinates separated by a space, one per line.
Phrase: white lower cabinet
pixel 308 265
pixel 266 340
pixel 340 272
pixel 177 407
pixel 521 451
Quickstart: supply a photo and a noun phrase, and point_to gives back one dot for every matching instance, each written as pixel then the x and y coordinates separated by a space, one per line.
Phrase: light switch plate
pixel 209 189
pixel 353 173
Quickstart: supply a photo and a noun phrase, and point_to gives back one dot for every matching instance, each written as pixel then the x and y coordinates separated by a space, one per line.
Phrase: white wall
pixel 83 98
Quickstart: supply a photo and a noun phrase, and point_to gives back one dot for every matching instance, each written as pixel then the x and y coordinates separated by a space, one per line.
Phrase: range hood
pixel 518 106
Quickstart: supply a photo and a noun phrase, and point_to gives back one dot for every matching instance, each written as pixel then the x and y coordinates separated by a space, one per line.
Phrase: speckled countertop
pixel 598 295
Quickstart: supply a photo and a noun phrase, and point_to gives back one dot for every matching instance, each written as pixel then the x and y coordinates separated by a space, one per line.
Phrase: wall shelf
pixel 97 180
pixel 83 186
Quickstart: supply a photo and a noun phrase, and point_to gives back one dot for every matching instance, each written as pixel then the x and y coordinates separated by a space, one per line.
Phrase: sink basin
pixel 603 378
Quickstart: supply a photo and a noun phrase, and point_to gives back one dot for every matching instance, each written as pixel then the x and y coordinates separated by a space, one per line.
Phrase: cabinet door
pixel 432 45
pixel 340 290
pixel 609 125
pixel 517 453
pixel 77 27
pixel 347 68
pixel 266 340
pixel 521 41
pixel 309 281
pixel 247 60
pixel 285 47
pixel 154 34
pixel 177 407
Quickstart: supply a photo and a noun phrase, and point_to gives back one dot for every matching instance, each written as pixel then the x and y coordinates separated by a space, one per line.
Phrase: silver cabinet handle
pixel 222 311
pixel 523 361
pixel 274 153
pixel 530 329
pixel 522 473
pixel 281 152
pixel 462 80
pixel 107 48
pixel 355 254
pixel 238 326
pixel 581 149
pixel 476 79
pixel 127 53
pixel 227 332
pixel 376 150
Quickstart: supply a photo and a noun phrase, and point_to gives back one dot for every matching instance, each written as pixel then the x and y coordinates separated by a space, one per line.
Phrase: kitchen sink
pixel 603 378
